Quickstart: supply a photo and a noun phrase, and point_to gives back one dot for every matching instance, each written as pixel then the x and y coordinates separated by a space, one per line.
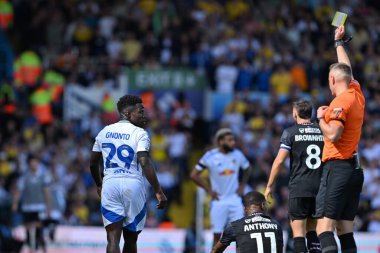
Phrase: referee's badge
pixel 337 111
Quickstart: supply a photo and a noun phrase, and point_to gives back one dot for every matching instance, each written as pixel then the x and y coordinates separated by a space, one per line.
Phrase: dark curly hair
pixel 127 101
pixel 253 198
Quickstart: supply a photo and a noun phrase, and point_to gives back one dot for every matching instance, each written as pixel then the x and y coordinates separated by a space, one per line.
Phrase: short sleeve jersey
pixel 254 233
pixel 32 186
pixel 305 144
pixel 119 144
pixel 224 170
pixel 346 110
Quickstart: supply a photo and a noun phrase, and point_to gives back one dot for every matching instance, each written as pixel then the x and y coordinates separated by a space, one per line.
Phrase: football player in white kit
pixel 224 164
pixel 124 147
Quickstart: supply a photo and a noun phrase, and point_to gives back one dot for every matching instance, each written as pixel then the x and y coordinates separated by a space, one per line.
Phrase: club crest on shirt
pixel 302 130
pixel 337 111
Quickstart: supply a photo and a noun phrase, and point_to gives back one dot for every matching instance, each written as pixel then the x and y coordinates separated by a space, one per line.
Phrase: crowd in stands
pixel 281 49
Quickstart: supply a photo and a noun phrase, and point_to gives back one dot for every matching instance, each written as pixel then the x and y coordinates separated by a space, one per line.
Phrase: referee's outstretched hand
pixel 162 200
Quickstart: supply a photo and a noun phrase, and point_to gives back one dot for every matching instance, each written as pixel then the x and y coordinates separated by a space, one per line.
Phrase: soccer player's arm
pixel 196 173
pixel 246 167
pixel 285 147
pixel 143 158
pixel 95 160
pixel 338 114
pixel 227 237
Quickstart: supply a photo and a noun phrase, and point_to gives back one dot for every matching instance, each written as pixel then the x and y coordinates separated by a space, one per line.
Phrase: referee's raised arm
pixel 340 50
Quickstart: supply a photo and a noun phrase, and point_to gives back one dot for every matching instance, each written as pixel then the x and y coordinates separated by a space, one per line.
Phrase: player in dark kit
pixel 256 232
pixel 303 142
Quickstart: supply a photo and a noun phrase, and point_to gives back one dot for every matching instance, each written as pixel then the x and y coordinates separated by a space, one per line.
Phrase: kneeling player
pixel 256 232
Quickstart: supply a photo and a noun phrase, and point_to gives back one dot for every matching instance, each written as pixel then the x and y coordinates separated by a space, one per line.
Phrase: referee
pixel 342 179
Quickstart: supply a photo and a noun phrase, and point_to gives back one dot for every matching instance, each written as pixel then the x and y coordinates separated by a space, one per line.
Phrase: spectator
pixel 226 76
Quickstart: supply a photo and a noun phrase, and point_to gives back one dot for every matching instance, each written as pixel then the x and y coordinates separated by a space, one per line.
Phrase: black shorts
pixel 28 217
pixel 301 208
pixel 339 191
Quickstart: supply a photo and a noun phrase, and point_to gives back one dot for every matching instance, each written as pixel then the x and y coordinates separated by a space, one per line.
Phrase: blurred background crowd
pixel 264 54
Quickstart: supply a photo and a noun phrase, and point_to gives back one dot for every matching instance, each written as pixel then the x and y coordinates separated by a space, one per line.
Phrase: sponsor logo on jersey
pixel 257 219
pixel 313 130
pixel 310 130
pixel 226 172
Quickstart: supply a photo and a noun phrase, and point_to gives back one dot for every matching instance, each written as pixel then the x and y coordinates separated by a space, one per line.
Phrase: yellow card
pixel 339 19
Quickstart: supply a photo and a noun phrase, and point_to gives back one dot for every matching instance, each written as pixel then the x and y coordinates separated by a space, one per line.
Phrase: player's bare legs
pixel 130 241
pixel 344 230
pixel 298 227
pixel 216 238
pixel 113 236
pixel 34 236
pixel 325 225
pixel 313 244
pixel 299 232
pixel 325 231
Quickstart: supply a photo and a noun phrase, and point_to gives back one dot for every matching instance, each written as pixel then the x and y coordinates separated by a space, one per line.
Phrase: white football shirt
pixel 119 144
pixel 223 170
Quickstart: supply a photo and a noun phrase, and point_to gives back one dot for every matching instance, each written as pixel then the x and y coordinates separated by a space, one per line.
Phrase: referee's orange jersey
pixel 346 110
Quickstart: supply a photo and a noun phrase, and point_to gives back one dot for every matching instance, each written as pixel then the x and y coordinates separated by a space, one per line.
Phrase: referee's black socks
pixel 299 245
pixel 328 243
pixel 347 243
pixel 313 244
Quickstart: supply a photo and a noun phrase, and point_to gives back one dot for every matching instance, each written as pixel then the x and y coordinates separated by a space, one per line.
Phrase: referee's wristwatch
pixel 319 119
pixel 341 42
pixel 338 43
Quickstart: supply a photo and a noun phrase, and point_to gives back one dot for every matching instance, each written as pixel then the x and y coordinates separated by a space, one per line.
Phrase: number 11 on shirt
pixel 259 241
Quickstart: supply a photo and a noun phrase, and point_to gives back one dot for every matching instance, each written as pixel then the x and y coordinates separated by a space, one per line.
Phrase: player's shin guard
pixel 313 244
pixel 347 243
pixel 328 243
pixel 299 245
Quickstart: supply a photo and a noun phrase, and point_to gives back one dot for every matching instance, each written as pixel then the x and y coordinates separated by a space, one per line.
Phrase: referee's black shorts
pixel 301 208
pixel 339 191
